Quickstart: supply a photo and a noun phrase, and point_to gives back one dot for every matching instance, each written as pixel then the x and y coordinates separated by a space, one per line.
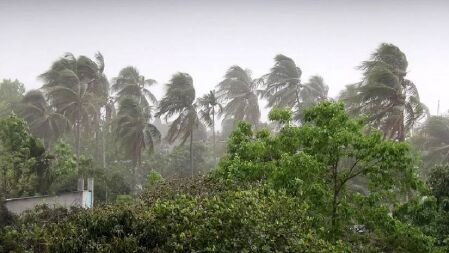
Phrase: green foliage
pixel 431 213
pixel 231 221
pixel 153 178
pixel 280 115
pixel 63 171
pixel 439 182
pixel 6 218
pixel 175 164
pixel 123 200
pixel 319 162
pixel 11 92
pixel 23 161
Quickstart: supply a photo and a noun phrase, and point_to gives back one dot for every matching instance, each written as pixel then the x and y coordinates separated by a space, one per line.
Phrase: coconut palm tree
pixel 210 106
pixel 101 89
pixel 179 101
pixel 44 122
pixel 68 86
pixel 312 92
pixel 238 91
pixel 432 139
pixel 283 87
pixel 390 101
pixel 133 130
pixel 130 83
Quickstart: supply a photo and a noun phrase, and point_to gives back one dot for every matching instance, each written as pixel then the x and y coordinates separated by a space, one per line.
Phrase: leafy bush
pixel 256 219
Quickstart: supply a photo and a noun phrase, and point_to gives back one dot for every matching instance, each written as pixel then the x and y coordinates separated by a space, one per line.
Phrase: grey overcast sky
pixel 204 38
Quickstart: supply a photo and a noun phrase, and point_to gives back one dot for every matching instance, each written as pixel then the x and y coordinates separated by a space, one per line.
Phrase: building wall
pixel 79 198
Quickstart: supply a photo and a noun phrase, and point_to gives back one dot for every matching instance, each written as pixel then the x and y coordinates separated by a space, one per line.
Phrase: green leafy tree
pixel 318 161
pixel 44 122
pixel 283 87
pixel 210 107
pixel 179 100
pixel 390 101
pixel 63 173
pixel 10 93
pixel 24 162
pixel 70 86
pixel 238 93
pixel 430 212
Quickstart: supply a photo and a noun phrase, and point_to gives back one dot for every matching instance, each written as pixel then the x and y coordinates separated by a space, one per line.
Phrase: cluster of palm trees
pixel 76 95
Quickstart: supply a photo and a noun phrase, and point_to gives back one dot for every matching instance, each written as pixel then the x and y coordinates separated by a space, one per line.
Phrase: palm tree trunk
pixel 401 130
pixel 191 154
pixel 135 163
pixel 103 151
pixel 213 133
pixel 97 136
pixel 297 96
pixel 78 136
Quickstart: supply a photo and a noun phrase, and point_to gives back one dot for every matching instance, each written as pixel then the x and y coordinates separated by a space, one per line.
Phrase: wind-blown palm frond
pixel 283 87
pixel 238 91
pixel 390 101
pixel 133 131
pixel 312 92
pixel 43 121
pixel 131 83
pixel 179 100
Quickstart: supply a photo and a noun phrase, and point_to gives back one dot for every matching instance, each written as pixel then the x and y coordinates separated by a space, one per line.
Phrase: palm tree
pixel 432 139
pixel 67 85
pixel 131 83
pixel 312 92
pixel 209 103
pixel 101 89
pixel 179 101
pixel 390 101
pixel 133 130
pixel 283 87
pixel 44 122
pixel 239 92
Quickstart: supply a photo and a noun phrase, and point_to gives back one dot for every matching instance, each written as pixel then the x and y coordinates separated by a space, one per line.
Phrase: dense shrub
pixel 253 220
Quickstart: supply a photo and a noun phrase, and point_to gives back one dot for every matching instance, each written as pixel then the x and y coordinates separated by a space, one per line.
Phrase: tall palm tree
pixel 133 130
pixel 210 106
pixel 238 91
pixel 130 83
pixel 67 85
pixel 390 101
pixel 283 87
pixel 44 122
pixel 432 139
pixel 179 101
pixel 101 89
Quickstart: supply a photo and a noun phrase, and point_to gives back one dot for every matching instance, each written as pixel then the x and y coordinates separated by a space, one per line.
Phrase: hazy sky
pixel 204 38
